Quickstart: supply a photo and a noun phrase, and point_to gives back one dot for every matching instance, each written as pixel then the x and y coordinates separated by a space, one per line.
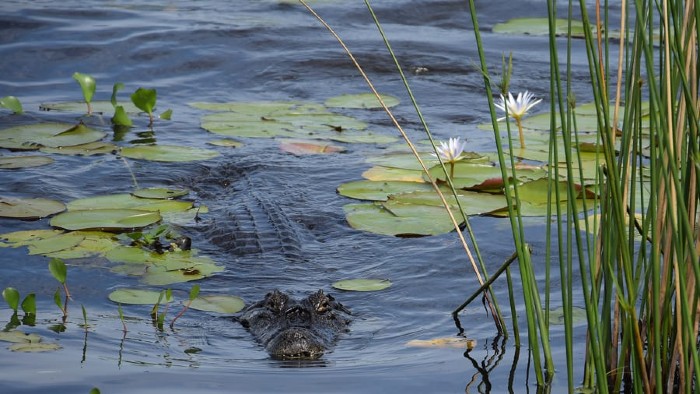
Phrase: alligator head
pixel 296 329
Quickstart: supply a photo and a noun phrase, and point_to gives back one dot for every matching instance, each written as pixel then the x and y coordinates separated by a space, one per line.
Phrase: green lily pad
pixel 167 153
pixel 105 219
pixel 160 193
pixel 128 201
pixel 35 136
pixel 538 27
pixel 25 237
pixel 417 221
pixel 89 149
pixel 14 162
pixel 16 336
pixel 218 303
pixel 578 316
pixel 362 284
pixel 55 244
pixel 226 142
pixel 381 173
pixel 94 243
pixel 362 100
pixel 196 268
pixel 29 208
pixel 379 191
pixel 137 297
pixel 102 107
pixel 286 120
pixel 473 203
pixel 34 347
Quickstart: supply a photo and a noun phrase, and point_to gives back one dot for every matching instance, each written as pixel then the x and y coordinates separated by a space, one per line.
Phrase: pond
pixel 264 51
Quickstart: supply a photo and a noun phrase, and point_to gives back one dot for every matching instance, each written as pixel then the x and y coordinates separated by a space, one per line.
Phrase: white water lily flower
pixel 451 151
pixel 517 108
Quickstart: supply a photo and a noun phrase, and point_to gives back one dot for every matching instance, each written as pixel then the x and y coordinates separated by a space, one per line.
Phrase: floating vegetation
pixel 361 100
pixel 445 342
pixel 15 162
pixel 89 149
pixel 160 193
pixel 287 120
pixel 101 107
pixel 167 153
pixel 137 296
pixel 218 303
pixel 362 284
pixel 105 219
pixel 22 342
pixel 226 142
pixel 29 208
pixel 52 135
pixel 301 147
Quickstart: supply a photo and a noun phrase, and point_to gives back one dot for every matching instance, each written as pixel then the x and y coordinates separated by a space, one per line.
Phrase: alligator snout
pixel 296 329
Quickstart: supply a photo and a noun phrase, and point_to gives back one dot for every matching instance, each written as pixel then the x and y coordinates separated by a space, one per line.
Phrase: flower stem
pixel 452 170
pixel 520 132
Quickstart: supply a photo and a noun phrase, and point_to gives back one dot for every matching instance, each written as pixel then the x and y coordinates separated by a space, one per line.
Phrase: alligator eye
pixel 322 307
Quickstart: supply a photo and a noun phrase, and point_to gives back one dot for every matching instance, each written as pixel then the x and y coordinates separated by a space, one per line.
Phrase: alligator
pixel 296 329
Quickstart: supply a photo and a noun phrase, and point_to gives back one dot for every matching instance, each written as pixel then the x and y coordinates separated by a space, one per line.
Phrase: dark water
pixel 265 50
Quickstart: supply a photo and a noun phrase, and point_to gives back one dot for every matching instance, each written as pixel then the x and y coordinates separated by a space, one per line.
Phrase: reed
pixel 631 254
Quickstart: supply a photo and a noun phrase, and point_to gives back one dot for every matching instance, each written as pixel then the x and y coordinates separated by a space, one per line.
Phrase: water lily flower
pixel 451 151
pixel 517 108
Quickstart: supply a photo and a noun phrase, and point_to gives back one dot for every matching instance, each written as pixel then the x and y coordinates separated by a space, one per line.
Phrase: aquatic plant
pixel 12 103
pixel 88 86
pixel 517 108
pixel 58 270
pixel 194 292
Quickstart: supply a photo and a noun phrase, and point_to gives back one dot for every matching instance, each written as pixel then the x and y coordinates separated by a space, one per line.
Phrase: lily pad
pixel 160 193
pixel 25 237
pixel 34 347
pixel 167 153
pixel 379 191
pixel 29 208
pixel 105 219
pixel 137 296
pixel 226 142
pixel 300 148
pixel 196 268
pixel 381 173
pixel 102 107
pixel 538 27
pixel 578 315
pixel 362 284
pixel 55 244
pixel 16 336
pixel 94 243
pixel 35 136
pixel 418 220
pixel 445 342
pixel 14 162
pixel 89 149
pixel 218 303
pixel 362 100
pixel 128 201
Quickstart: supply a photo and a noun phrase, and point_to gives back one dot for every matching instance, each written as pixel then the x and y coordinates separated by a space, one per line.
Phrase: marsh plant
pixel 631 252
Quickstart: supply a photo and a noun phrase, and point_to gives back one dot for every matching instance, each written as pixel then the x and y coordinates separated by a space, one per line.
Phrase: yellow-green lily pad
pixel 100 107
pixel 34 347
pixel 361 100
pixel 16 336
pixel 35 136
pixel 55 244
pixel 578 315
pixel 14 162
pixel 137 296
pixel 29 208
pixel 128 201
pixel 226 142
pixel 538 27
pixel 25 237
pixel 418 220
pixel 362 284
pixel 218 303
pixel 160 193
pixel 89 149
pixel 379 191
pixel 168 153
pixel 381 173
pixel 105 219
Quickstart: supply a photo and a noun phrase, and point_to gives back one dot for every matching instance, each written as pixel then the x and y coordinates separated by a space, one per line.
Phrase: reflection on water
pixel 264 50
